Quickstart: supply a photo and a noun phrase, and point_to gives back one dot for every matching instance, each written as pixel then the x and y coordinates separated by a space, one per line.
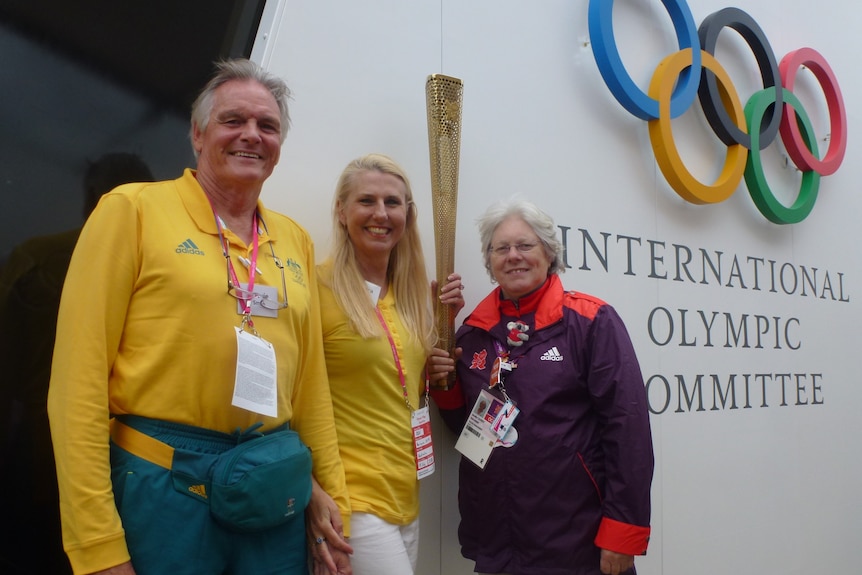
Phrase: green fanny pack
pixel 262 482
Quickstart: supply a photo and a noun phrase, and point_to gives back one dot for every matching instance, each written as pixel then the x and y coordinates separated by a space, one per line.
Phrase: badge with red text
pixel 423 445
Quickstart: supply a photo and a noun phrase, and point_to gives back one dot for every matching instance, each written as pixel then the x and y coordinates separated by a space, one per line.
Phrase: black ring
pixel 708 91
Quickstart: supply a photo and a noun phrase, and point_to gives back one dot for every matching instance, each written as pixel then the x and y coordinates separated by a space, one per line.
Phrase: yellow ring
pixel 661 134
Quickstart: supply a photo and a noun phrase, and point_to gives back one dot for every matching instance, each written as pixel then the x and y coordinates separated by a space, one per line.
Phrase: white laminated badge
pixel 254 388
pixel 477 439
pixel 373 291
pixel 258 310
pixel 504 420
pixel 420 421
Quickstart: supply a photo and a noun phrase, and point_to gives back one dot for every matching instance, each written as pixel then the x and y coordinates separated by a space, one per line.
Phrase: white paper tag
pixel 255 383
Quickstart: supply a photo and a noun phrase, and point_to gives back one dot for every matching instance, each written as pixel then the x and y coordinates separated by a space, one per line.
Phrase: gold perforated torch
pixel 444 101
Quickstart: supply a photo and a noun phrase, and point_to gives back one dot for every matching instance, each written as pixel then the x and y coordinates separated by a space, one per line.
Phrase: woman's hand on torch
pixel 451 294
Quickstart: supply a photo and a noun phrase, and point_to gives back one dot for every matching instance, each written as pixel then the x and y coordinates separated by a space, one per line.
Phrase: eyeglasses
pixel 260 299
pixel 502 251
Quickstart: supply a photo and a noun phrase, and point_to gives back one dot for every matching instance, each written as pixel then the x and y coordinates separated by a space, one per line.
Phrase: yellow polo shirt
pixel 146 327
pixel 373 421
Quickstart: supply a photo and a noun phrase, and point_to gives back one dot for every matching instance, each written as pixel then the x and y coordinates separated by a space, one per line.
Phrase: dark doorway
pixel 79 80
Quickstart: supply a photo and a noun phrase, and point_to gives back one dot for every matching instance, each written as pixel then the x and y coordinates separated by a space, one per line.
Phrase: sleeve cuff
pixel 449 399
pixel 108 553
pixel 622 537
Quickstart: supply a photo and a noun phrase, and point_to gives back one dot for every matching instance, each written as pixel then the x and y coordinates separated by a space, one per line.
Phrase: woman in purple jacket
pixel 551 414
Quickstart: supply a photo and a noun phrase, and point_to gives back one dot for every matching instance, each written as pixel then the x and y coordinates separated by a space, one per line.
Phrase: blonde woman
pixel 378 333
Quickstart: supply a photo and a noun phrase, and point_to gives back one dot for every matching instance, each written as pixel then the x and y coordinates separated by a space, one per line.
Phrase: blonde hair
pixel 406 270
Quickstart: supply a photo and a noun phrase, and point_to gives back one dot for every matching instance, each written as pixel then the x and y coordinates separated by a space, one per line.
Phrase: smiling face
pixel 518 272
pixel 242 141
pixel 375 214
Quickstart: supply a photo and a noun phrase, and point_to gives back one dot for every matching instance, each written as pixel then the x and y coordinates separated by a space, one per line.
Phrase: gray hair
pixel 239 69
pixel 541 223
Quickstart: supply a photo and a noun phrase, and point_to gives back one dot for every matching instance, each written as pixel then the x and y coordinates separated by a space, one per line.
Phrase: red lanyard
pixel 252 264
pixel 398 360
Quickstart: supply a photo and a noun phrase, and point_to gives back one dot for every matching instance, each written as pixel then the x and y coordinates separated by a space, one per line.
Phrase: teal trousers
pixel 170 532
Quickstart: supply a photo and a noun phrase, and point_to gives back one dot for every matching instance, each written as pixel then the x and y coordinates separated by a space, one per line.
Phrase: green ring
pixel 755 179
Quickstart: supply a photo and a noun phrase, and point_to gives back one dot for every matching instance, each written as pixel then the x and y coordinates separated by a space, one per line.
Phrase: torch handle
pixel 444 103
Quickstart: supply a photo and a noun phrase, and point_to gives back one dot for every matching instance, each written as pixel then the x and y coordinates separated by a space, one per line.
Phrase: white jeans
pixel 381 548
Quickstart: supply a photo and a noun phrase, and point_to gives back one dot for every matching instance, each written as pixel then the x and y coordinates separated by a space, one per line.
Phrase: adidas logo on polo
pixel 200 490
pixel 189 247
pixel 552 354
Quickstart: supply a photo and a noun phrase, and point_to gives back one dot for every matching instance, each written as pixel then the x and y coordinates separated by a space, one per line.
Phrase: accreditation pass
pixel 478 437
pixel 422 443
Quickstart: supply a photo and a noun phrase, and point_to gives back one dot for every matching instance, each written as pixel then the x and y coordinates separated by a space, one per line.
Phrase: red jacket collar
pixel 547 302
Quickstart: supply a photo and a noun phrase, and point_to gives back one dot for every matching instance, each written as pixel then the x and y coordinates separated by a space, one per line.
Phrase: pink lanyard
pixel 398 360
pixel 252 265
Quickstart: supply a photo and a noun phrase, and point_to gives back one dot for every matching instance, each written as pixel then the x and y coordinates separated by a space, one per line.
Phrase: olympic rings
pixel 694 70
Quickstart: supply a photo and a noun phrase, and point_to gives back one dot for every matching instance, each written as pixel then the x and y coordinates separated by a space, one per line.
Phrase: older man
pixel 189 314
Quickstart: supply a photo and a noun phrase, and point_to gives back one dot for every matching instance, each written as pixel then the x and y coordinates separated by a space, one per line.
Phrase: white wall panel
pixel 741 491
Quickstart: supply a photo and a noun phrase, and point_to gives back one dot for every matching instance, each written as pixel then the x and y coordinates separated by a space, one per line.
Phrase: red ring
pixel 790 133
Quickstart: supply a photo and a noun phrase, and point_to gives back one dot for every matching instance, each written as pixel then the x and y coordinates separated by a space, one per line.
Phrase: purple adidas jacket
pixel 578 477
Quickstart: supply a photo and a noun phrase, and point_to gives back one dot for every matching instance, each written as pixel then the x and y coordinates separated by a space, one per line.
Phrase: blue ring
pixel 627 93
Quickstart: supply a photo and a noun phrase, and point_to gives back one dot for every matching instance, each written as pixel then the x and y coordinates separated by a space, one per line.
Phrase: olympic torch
pixel 443 96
